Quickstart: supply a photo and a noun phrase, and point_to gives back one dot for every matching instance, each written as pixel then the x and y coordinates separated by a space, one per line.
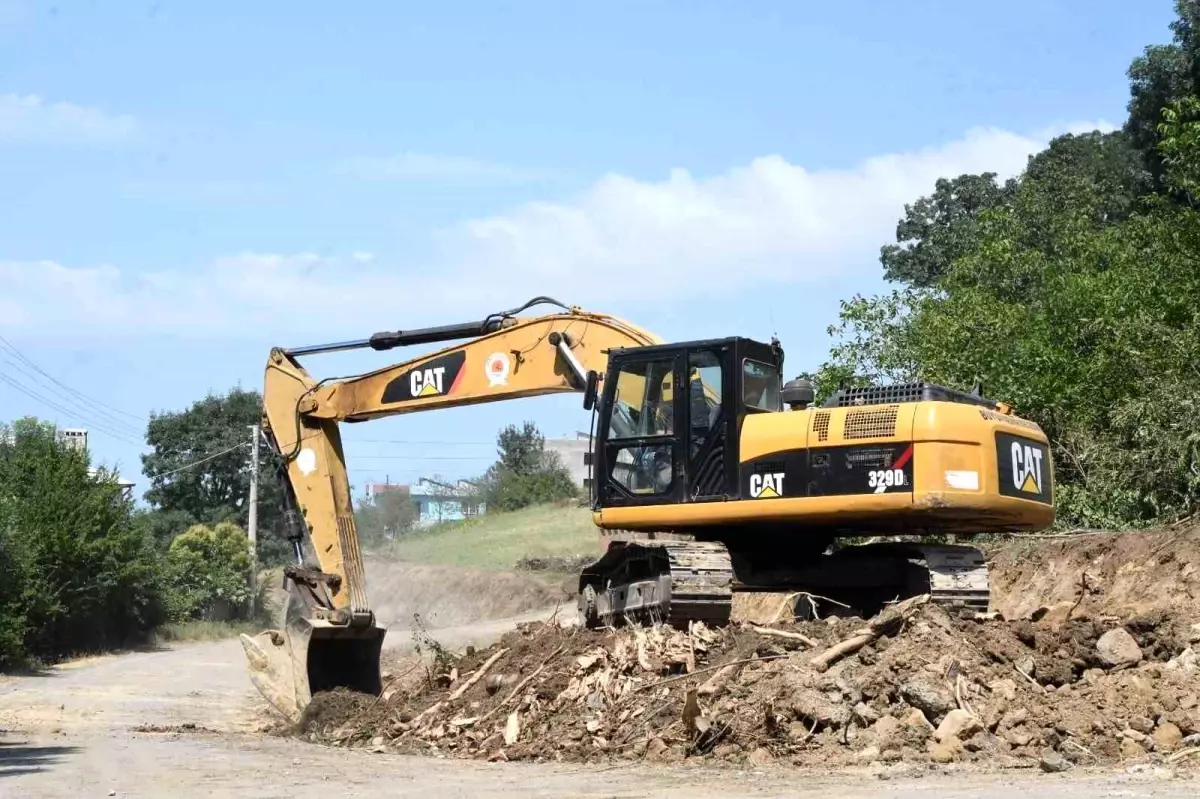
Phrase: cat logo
pixel 1026 468
pixel 439 377
pixel 427 382
pixel 766 486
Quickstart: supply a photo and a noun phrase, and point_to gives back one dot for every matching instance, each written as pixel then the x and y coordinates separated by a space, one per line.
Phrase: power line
pixel 78 409
pixel 193 464
pixel 62 385
pixel 123 437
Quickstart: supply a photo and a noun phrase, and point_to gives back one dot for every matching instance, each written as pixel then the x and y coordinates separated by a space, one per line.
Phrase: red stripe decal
pixel 462 370
pixel 903 459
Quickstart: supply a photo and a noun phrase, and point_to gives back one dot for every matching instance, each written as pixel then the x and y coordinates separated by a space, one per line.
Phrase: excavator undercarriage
pixel 676 582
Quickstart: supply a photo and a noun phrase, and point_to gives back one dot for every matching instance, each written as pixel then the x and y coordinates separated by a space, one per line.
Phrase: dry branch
pixel 889 619
pixel 466 686
pixel 790 636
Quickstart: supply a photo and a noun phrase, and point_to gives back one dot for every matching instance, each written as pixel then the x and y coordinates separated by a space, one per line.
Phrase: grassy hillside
pixel 499 540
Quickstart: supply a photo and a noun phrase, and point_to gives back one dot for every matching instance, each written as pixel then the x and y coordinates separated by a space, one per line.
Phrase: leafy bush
pixel 526 473
pixel 209 569
pixel 78 573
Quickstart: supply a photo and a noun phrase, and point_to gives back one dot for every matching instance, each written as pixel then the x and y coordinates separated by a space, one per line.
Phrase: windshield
pixel 760 386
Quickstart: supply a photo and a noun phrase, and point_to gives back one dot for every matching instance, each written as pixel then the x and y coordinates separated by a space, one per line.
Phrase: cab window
pixel 760 386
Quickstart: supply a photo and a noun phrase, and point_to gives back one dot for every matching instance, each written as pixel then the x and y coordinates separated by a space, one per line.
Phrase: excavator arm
pixel 330 637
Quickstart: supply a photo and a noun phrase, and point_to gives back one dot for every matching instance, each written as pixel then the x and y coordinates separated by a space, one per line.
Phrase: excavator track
pixel 672 582
pixel 676 582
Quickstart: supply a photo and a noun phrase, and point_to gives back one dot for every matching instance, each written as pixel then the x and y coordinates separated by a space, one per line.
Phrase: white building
pixel 576 455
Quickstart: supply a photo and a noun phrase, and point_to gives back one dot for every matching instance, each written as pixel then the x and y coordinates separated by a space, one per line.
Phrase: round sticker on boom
pixel 496 367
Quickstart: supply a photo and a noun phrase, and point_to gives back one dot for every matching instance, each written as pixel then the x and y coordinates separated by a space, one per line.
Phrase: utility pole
pixel 253 526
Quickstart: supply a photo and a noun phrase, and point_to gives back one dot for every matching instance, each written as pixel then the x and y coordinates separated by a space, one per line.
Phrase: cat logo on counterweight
pixel 1026 468
pixel 766 486
pixel 1023 468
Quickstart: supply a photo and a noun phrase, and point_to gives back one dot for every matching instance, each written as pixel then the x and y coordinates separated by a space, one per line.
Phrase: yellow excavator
pixel 710 477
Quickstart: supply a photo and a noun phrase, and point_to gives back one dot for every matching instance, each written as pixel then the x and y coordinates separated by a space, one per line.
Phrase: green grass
pixel 188 631
pixel 499 540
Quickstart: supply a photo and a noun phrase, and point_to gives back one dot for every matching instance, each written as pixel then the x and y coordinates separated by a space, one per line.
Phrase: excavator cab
pixel 668 418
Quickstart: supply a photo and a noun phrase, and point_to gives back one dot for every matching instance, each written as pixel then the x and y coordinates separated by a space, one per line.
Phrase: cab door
pixel 641 458
pixel 711 435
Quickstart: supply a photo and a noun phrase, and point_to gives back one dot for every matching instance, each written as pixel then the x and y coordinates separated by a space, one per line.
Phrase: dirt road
pixel 86 729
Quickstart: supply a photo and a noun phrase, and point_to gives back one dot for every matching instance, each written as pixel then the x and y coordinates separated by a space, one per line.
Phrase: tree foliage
pixel 526 472
pixel 385 516
pixel 78 572
pixel 217 490
pixel 1072 292
pixel 208 568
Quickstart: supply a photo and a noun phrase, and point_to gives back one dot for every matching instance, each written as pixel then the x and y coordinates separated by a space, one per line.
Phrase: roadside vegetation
pixel 1072 291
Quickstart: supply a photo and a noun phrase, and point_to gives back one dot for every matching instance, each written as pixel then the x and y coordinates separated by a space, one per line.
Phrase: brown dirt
pixel 1029 684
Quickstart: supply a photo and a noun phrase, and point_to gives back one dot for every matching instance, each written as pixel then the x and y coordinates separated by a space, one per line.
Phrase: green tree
pixel 209 568
pixel 84 575
pixel 936 230
pixel 199 471
pixel 385 516
pixel 1160 77
pixel 526 472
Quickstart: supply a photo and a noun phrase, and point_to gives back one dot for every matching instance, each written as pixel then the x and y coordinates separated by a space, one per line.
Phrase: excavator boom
pixel 330 637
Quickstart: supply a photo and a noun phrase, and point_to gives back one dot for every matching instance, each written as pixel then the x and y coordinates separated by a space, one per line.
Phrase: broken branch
pixel 462 689
pixel 790 636
pixel 889 619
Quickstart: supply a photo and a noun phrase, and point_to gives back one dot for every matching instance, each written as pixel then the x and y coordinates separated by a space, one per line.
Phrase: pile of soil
pixel 933 686
pixel 1105 669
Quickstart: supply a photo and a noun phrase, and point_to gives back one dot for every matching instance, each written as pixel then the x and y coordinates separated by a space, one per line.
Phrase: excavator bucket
pixel 310 656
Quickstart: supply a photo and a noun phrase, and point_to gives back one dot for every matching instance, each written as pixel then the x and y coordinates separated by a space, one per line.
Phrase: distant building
pixel 576 455
pixel 435 501
pixel 438 502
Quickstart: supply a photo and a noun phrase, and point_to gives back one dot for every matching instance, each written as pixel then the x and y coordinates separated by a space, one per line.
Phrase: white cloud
pixel 29 118
pixel 428 167
pixel 622 242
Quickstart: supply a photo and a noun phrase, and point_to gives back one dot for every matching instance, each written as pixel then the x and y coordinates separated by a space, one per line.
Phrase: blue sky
pixel 183 186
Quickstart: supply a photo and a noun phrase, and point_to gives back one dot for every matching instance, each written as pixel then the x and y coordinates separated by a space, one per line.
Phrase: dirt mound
pixel 445 596
pixel 1124 574
pixel 1092 658
pixel 915 684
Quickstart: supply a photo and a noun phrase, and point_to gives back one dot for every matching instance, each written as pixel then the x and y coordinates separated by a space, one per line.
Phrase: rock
pixel 958 724
pixel 1118 648
pixel 931 697
pixel 1014 718
pixel 886 731
pixel 1135 736
pixel 945 751
pixel 1052 763
pixel 1187 660
pixel 726 751
pixel 1006 688
pixel 1188 702
pixel 656 749
pixel 377 740
pixel 868 754
pixel 1141 724
pixel 891 755
pixel 813 705
pixel 1027 665
pixel 1018 738
pixel 1131 749
pixel 1167 737
pixel 761 757
pixel 1194 634
pixel 865 715
pixel 916 721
